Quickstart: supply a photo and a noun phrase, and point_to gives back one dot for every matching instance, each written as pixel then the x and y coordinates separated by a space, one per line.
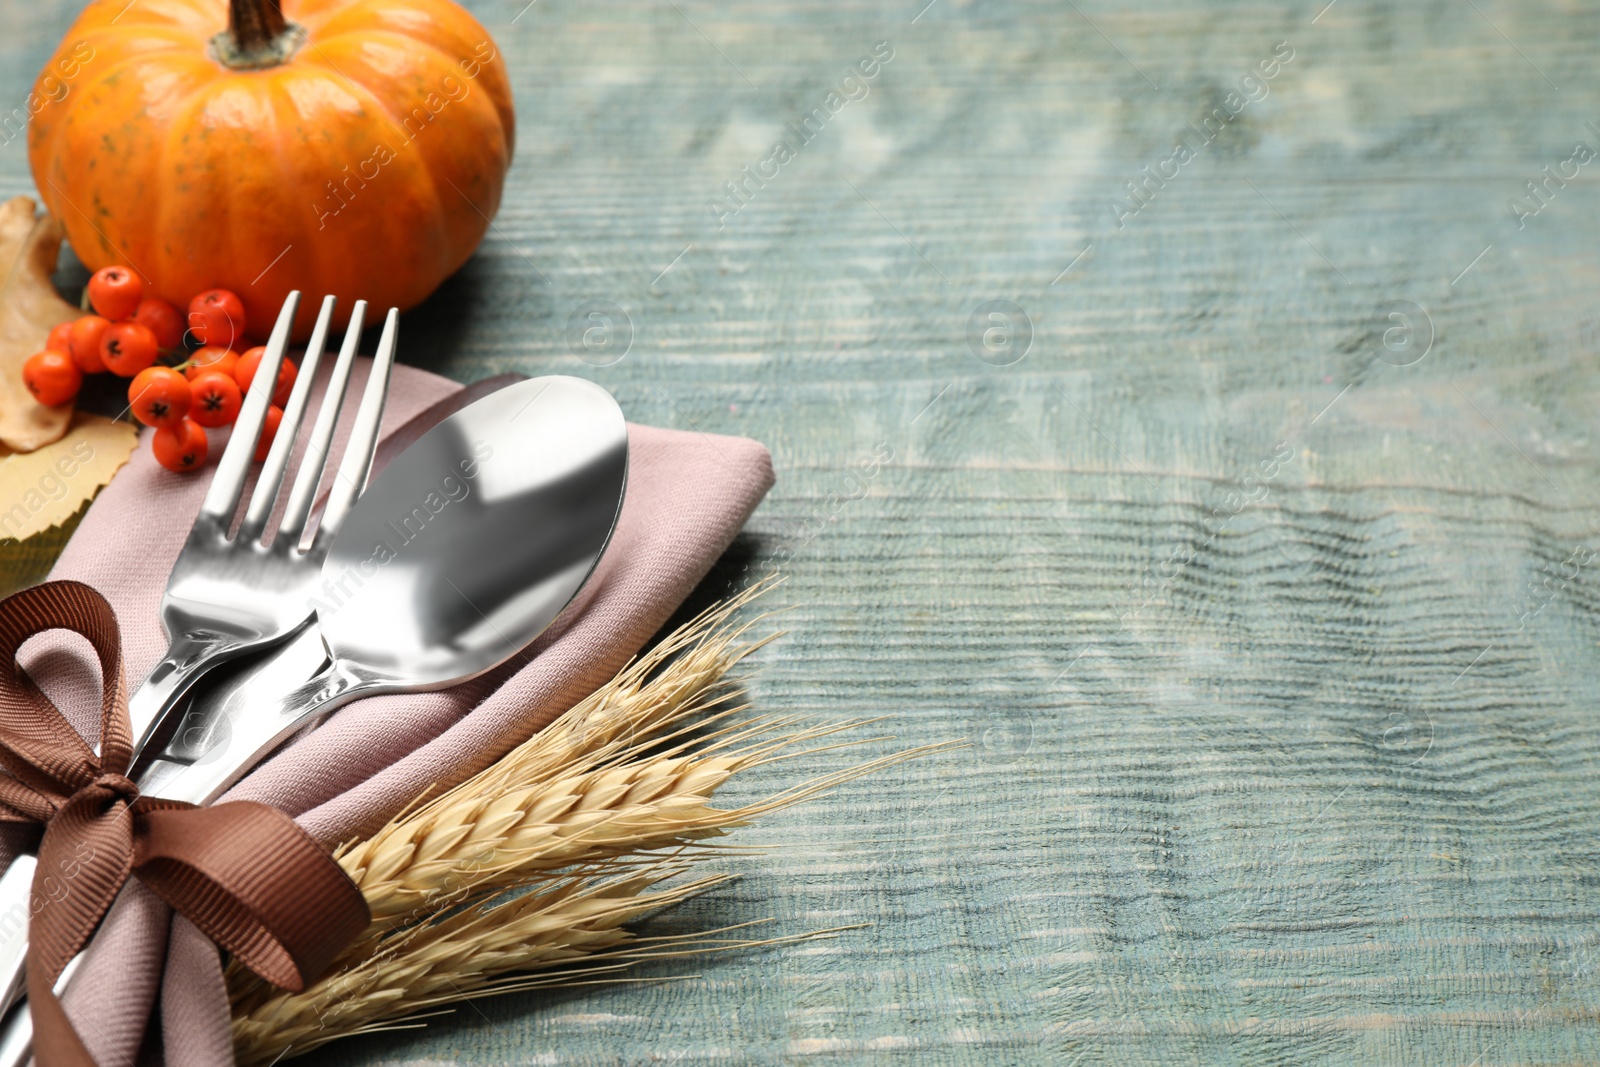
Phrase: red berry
pixel 215 399
pixel 84 343
pixel 181 447
pixel 216 317
pixel 269 429
pixel 163 320
pixel 245 373
pixel 126 348
pixel 115 291
pixel 60 339
pixel 159 396
pixel 211 359
pixel 51 377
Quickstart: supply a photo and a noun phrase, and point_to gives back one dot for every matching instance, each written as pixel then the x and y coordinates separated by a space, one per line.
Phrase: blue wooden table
pixel 1230 400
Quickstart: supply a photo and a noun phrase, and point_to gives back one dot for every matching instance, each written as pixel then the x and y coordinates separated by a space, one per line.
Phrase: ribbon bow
pixel 242 872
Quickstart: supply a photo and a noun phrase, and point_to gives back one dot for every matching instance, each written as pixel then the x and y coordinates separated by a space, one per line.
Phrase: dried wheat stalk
pixel 565 920
pixel 586 819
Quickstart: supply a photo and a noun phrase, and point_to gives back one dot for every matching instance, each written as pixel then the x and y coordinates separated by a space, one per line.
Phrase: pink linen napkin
pixel 688 496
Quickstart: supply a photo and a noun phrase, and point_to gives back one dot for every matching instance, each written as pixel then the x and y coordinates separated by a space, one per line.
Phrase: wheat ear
pixel 564 921
pixel 577 818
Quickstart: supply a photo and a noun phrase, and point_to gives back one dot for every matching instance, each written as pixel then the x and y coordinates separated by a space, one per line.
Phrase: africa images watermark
pixel 855 85
pixel 341 192
pixel 406 528
pixel 47 888
pixel 52 485
pixel 1541 589
pixel 54 88
pixel 1000 332
pixel 857 479
pixel 1541 192
pixel 1253 88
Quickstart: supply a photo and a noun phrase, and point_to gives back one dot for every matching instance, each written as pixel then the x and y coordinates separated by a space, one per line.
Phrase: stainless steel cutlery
pixel 461 553
pixel 456 558
pixel 229 595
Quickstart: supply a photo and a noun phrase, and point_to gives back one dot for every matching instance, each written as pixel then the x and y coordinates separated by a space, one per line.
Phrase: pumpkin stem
pixel 257 36
pixel 254 23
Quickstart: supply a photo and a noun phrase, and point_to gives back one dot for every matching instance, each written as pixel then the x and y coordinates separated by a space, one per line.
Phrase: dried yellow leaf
pixel 29 307
pixel 47 486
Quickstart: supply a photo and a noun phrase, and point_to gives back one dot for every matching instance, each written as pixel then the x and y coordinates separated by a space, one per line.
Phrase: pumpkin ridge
pixel 183 121
pixel 42 138
pixel 186 20
pixel 172 32
pixel 286 116
pixel 103 72
pixel 129 60
pixel 313 44
pixel 449 61
pixel 48 146
pixel 444 13
pixel 379 107
pixel 411 42
pixel 382 108
pixel 121 239
pixel 440 12
pixel 327 64
pixel 329 67
pixel 371 95
pixel 239 241
pixel 177 36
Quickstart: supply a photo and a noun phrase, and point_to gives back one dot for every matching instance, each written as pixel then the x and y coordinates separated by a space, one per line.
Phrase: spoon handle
pixel 227 731
pixel 188 658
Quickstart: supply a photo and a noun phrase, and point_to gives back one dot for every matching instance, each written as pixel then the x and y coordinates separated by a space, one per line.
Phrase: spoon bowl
pixel 470 543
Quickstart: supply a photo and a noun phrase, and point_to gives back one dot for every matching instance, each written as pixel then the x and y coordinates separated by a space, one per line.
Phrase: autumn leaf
pixel 29 307
pixel 47 486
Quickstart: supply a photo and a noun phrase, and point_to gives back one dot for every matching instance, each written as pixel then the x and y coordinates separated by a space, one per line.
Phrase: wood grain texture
pixel 1288 770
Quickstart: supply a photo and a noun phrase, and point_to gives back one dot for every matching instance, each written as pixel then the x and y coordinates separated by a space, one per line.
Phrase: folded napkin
pixel 688 496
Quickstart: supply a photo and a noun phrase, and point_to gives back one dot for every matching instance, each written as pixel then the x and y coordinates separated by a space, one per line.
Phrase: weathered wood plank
pixel 1294 769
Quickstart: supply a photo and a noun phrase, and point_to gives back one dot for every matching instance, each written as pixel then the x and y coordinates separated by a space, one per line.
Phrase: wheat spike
pixel 485 841
pixel 569 794
pixel 467 843
pixel 564 921
pixel 585 819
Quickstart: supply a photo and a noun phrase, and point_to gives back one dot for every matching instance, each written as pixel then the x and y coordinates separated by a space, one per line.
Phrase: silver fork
pixel 228 596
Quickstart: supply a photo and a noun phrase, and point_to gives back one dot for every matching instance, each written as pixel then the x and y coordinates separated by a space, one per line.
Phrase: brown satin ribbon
pixel 243 872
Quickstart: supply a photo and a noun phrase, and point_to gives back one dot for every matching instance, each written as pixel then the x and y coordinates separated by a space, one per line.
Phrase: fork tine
pixel 309 475
pixel 357 460
pixel 228 483
pixel 270 480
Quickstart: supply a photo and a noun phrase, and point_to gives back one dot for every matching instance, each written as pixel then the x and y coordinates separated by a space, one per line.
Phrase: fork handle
pixel 189 656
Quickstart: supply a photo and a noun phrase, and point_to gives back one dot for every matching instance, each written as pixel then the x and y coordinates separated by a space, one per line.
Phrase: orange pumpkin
pixel 354 147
